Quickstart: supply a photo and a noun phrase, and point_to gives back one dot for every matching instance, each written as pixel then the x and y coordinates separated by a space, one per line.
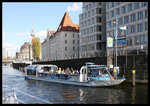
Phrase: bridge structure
pixel 7 62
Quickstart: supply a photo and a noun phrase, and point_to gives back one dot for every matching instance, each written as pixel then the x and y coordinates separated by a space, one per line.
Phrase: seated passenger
pixel 63 71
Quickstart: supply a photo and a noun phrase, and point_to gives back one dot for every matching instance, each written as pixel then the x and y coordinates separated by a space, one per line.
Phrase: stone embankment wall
pixel 136 62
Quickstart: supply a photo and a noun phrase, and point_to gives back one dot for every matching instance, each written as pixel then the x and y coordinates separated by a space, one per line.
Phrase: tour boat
pixel 90 75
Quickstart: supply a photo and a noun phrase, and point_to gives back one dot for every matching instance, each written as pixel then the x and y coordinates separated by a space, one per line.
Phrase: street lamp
pixel 116 32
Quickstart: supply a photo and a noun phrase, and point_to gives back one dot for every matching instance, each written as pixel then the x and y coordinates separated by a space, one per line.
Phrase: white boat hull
pixel 76 83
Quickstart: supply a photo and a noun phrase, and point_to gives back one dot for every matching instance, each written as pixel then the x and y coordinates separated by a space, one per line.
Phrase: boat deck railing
pixel 12 99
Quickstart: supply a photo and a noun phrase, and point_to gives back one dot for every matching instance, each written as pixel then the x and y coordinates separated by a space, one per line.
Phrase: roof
pixel 67 24
pixel 52 31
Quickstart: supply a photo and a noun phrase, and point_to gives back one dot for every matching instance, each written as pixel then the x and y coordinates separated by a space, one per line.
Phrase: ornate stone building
pixel 25 52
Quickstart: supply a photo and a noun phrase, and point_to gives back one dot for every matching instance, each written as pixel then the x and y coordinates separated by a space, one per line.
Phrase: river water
pixel 67 94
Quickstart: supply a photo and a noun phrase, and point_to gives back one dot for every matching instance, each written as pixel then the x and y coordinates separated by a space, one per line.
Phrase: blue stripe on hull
pixel 74 83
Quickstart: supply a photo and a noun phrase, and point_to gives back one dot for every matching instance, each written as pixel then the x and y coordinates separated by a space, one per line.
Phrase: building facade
pixel 133 15
pixel 92 28
pixel 63 43
pixel 25 53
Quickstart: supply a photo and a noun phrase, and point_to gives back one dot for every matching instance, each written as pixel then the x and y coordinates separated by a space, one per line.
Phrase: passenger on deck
pixel 59 71
pixel 50 71
pixel 63 71
pixel 67 70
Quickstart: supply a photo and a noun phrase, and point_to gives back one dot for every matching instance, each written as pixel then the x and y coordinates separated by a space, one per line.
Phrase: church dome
pixel 25 47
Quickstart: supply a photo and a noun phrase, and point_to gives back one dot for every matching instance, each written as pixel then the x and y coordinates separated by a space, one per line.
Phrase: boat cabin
pixel 39 69
pixel 94 72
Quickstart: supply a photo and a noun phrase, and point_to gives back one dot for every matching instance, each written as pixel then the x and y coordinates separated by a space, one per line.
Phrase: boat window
pixel 82 71
pixel 93 72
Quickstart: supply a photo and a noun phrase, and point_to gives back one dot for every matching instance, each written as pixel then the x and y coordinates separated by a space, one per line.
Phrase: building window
pixel 146 13
pixel 93 12
pixel 107 5
pixel 107 15
pixel 99 37
pixel 65 48
pixel 118 11
pixel 69 28
pixel 73 35
pixel 65 41
pixel 133 29
pixel 93 4
pixel 140 15
pixel 108 25
pixel 98 46
pixel 65 34
pixel 133 18
pixel 90 6
pixel 129 7
pixel 73 48
pixel 98 19
pixel 98 28
pixel 66 55
pixel 131 42
pixel 89 14
pixel 127 19
pixel 146 26
pixel 127 30
pixel 145 39
pixel 142 38
pixel 93 20
pixel 98 10
pixel 73 41
pixel 118 3
pixel 112 4
pixel 140 27
pixel 123 10
pixel 136 5
pixel 137 40
pixel 145 3
pixel 112 13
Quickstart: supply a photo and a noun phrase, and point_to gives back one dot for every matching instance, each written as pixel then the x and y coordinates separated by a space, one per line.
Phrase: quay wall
pixel 136 62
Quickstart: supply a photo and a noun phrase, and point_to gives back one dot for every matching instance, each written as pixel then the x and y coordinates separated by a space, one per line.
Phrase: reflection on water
pixel 133 95
pixel 58 93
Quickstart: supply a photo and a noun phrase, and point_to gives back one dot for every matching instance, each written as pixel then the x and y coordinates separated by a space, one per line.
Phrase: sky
pixel 19 17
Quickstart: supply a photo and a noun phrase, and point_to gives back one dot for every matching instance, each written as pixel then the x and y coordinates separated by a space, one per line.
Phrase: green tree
pixel 36 47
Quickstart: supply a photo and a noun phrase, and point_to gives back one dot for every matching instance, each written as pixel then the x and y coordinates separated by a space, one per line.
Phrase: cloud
pixel 41 34
pixel 25 34
pixel 75 7
pixel 11 48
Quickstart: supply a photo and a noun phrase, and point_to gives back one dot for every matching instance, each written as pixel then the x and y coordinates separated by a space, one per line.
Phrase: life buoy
pixel 111 77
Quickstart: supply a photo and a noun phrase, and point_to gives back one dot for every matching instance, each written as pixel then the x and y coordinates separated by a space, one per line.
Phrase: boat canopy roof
pixel 94 66
pixel 38 67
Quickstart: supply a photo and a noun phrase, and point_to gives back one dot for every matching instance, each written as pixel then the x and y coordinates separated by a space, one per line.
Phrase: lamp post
pixel 116 32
